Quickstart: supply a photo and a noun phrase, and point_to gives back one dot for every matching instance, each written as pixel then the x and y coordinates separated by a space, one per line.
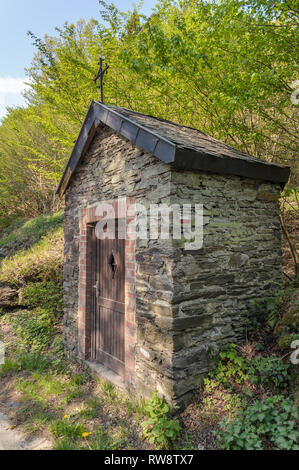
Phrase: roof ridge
pixel 158 119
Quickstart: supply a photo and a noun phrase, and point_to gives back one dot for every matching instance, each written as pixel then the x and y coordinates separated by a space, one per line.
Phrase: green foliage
pixel 281 312
pixel 218 401
pixel 226 67
pixel 41 262
pixel 36 329
pixel 101 440
pixel 92 409
pixel 263 425
pixel 270 307
pixel 287 326
pixel 188 443
pixel 24 189
pixel 26 233
pixel 37 417
pixel 8 223
pixel 273 371
pixel 25 361
pixel 42 386
pixel 233 368
pixel 65 444
pixel 78 379
pixel 46 295
pixel 65 428
pixel 98 440
pixel 159 428
pixel 182 50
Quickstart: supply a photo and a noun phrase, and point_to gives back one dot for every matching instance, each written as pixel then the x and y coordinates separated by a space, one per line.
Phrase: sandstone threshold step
pixel 108 374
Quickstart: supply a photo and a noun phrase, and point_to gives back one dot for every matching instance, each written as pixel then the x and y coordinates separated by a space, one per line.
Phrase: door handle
pixel 96 287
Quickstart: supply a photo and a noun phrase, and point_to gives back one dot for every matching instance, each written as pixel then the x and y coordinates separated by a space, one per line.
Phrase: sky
pixel 40 17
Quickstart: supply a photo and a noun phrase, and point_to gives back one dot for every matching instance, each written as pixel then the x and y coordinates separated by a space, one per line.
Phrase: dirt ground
pixel 11 439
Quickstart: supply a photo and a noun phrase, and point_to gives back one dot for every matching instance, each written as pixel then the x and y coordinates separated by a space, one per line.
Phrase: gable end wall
pixel 114 168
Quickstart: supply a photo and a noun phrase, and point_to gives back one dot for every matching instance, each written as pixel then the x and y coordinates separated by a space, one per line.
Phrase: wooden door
pixel 108 302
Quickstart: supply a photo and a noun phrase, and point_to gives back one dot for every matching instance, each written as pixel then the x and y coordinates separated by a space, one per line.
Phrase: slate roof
pixel 183 136
pixel 183 147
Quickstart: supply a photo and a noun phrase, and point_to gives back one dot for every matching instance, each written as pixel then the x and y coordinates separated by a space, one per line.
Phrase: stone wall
pixel 240 261
pixel 113 168
pixel 188 303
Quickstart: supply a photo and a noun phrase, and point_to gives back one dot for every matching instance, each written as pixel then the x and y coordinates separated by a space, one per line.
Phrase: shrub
pixel 233 368
pixel 281 312
pixel 272 309
pixel 159 428
pixel 266 424
pixel 273 371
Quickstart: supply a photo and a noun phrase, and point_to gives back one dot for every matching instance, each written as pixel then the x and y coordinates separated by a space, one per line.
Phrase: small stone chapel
pixel 148 313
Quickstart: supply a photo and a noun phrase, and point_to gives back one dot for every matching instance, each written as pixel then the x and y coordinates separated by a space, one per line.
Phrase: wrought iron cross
pixel 100 76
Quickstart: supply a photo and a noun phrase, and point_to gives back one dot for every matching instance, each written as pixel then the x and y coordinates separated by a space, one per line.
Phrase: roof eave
pixel 186 159
pixel 77 151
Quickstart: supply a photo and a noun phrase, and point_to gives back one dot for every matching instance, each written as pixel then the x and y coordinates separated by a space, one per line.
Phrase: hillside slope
pixel 246 402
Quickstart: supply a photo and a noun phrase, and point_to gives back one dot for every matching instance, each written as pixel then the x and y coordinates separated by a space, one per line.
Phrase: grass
pixel 41 262
pixel 47 295
pixel 9 223
pixel 66 429
pixel 78 411
pixel 55 396
pixel 61 399
pixel 92 408
pixel 38 417
pixel 44 385
pixel 100 439
pixel 24 361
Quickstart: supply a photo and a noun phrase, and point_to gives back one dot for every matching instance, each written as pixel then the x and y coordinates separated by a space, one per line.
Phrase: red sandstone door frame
pixel 88 219
pixel 108 299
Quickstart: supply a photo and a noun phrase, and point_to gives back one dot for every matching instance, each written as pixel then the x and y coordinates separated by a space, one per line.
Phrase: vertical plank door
pixel 108 319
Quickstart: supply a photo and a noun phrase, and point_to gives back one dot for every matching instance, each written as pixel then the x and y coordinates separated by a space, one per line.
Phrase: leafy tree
pixel 226 67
